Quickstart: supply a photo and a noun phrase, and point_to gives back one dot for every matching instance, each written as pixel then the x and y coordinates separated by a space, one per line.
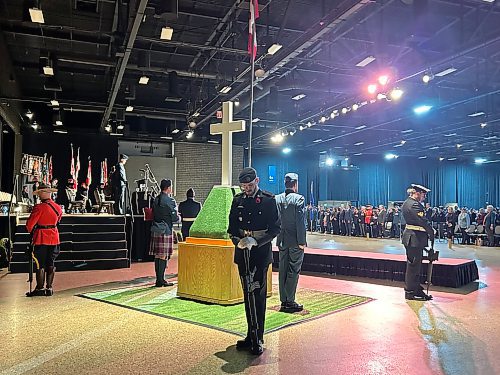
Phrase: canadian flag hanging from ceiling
pixel 252 28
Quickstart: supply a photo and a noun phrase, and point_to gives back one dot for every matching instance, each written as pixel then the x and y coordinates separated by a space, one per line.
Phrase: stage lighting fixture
pixel 391 156
pixel 329 162
pixel 372 88
pixel 144 80
pixel 129 108
pixel 483 124
pixel 196 114
pixel 381 96
pixel 236 102
pixel 292 131
pixel 108 128
pixel 175 131
pixel 29 115
pixel 287 150
pixel 225 89
pixel 299 96
pixel 274 48
pixel 36 15
pixel 284 133
pixel 309 124
pixel 445 72
pixel 166 33
pixel 383 80
pixel 277 138
pixel 322 119
pixel 190 134
pixel 344 110
pixel 301 127
pixel 366 61
pixel 426 78
pixel 54 103
pixel 441 158
pixel 396 94
pixel 422 109
pixel 355 107
pixel 476 114
pixel 459 145
pixel 403 142
pixel 120 127
pixel 34 125
pixel 256 120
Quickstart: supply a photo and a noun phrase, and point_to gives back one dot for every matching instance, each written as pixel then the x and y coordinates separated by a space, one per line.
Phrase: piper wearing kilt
pixel 162 242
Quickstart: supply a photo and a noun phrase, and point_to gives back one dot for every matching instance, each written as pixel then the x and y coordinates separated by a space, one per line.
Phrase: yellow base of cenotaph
pixel 206 272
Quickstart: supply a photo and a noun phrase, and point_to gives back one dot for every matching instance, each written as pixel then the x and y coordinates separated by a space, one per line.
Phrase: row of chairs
pixel 477 232
pixel 80 206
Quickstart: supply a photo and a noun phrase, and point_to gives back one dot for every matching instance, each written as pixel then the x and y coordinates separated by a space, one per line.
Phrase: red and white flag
pixel 105 171
pixel 77 169
pixel 72 168
pixel 88 181
pixel 50 169
pixel 252 28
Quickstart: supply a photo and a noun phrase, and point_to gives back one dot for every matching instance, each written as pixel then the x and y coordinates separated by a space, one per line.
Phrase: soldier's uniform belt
pixel 257 234
pixel 46 226
pixel 415 227
pixel 189 219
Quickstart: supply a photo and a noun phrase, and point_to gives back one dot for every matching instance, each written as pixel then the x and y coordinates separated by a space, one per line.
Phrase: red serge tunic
pixel 47 213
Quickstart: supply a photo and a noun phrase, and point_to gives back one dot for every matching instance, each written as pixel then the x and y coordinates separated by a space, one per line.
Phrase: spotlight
pixel 381 96
pixel 36 15
pixel 459 145
pixel 292 131
pixel 396 94
pixel 403 142
pixel 344 110
pixel 422 109
pixel 277 138
pixel 129 108
pixel 383 80
pixel 34 125
pixel 391 156
pixel 236 102
pixel 301 127
pixel 108 128
pixel 29 115
pixel 441 158
pixel 426 78
pixel 309 124
pixel 225 89
pixel 190 134
pixel 287 150
pixel 196 114
pixel 479 160
pixel 329 162
pixel 166 33
pixel 274 48
pixel 144 80
pixel 120 127
pixel 355 107
pixel 372 88
pixel 284 133
pixel 322 119
pixel 483 124
pixel 54 103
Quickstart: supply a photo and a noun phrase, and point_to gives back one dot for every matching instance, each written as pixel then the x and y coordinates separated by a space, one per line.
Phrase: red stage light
pixel 372 88
pixel 383 80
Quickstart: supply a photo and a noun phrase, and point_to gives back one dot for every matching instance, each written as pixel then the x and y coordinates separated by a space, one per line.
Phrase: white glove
pixel 247 243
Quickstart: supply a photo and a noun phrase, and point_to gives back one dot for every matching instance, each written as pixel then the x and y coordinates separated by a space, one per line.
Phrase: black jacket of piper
pixel 189 209
pixel 414 214
pixel 255 213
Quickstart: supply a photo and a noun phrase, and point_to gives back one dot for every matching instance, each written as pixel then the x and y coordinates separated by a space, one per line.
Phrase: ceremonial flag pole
pixel 252 50
pixel 72 168
pixel 88 181
pixel 77 169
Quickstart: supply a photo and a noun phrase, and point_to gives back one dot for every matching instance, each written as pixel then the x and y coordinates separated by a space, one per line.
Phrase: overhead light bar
pixel 433 148
pixel 450 134
pixel 299 96
pixel 166 33
pixel 61 131
pixel 451 159
pixel 274 48
pixel 476 114
pixel 225 89
pixel 469 150
pixel 36 15
pixel 358 154
pixel 445 72
pixel 317 140
pixel 116 134
pixel 213 141
pixel 144 80
pixel 407 131
pixel 366 61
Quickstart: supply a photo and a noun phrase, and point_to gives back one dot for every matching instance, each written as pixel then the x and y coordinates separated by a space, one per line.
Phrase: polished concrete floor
pixel 456 333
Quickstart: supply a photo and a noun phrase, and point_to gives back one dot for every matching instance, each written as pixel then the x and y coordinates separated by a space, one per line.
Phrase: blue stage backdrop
pixel 378 181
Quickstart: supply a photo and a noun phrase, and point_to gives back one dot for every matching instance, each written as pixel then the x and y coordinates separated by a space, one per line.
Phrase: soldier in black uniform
pixel 254 217
pixel 417 232
pixel 188 210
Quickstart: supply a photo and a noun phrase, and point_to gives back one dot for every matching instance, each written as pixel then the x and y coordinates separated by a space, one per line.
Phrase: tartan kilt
pixel 161 245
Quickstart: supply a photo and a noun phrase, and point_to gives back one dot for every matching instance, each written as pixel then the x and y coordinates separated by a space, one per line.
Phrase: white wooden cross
pixel 227 128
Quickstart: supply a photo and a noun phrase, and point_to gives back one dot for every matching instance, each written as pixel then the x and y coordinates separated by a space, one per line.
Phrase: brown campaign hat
pixel 44 188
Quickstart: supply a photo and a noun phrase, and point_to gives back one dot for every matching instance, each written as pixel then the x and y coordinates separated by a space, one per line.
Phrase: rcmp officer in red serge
pixel 417 232
pixel 42 224
pixel 254 218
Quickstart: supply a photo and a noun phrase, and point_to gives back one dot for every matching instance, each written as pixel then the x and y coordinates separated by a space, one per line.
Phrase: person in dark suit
pixel 415 238
pixel 188 210
pixel 120 185
pixel 291 242
pixel 253 220
pixel 489 225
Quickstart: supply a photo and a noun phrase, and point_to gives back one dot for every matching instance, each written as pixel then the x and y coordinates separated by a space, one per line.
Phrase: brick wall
pixel 199 167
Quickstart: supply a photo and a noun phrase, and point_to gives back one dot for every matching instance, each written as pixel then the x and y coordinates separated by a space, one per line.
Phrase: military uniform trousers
pixel 260 295
pixel 291 259
pixel 413 266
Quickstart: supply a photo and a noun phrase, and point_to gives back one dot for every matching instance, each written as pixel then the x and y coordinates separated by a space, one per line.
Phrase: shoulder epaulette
pixel 238 195
pixel 267 193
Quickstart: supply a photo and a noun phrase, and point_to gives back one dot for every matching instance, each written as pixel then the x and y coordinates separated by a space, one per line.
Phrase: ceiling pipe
pixel 122 62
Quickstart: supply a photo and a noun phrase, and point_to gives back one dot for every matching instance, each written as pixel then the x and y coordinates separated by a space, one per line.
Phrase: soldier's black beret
pixel 247 175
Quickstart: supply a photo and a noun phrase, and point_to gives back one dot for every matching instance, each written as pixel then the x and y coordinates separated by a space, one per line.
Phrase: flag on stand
pixel 88 181
pixel 77 169
pixel 45 170
pixel 312 194
pixel 50 169
pixel 252 28
pixel 72 168
pixel 105 171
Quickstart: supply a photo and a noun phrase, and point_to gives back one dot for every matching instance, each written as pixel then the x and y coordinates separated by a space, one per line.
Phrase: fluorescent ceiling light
pixel 490 137
pixel 60 131
pixel 434 148
pixel 361 127
pixel 479 160
pixel 298 97
pixel 175 131
pixel 366 61
pixel 59 123
pixel 36 15
pixel 451 159
pixel 274 48
pixel 407 131
pixel 129 108
pixel 391 156
pixel 144 80
pixel 225 89
pixel 48 70
pixel 359 143
pixel 450 134
pixel 165 137
pixel 213 141
pixel 358 154
pixel 475 114
pixel 54 103
pixel 445 72
pixel 166 33
pixel 317 140
pixel 115 134
pixel 287 150
pixel 422 157
pixel 469 150
pixel 422 109
pixel 256 120
pixel 441 158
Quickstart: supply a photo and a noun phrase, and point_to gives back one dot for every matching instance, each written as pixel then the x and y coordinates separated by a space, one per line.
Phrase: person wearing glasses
pixel 253 220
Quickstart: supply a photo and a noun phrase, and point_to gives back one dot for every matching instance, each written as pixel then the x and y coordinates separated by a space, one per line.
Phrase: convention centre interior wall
pixel 378 181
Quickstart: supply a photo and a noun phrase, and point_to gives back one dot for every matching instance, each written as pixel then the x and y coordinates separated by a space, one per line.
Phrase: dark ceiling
pixel 322 43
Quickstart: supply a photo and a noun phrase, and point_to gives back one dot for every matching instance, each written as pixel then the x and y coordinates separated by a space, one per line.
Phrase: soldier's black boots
pixel 417 296
pixel 36 293
pixel 246 343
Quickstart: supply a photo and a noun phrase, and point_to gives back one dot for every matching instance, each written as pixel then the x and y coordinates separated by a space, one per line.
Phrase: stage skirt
pixel 161 245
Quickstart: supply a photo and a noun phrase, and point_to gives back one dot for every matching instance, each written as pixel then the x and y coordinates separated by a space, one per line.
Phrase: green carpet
pixel 164 302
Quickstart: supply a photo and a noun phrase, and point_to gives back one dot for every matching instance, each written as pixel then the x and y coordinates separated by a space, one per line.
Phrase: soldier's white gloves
pixel 247 243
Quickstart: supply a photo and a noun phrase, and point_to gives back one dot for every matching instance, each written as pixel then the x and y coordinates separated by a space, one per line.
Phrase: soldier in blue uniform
pixel 254 219
pixel 417 232
pixel 291 241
